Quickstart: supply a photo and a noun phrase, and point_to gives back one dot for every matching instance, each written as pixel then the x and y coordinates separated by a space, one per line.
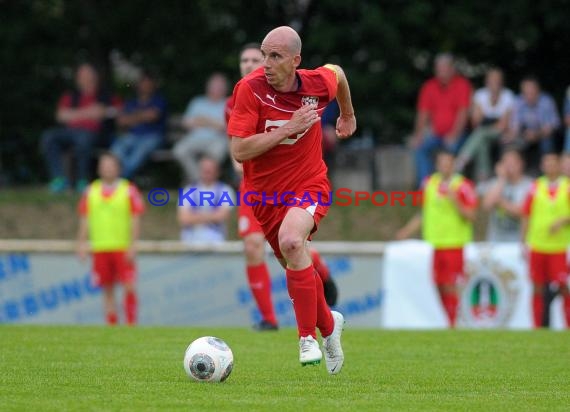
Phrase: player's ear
pixel 297 60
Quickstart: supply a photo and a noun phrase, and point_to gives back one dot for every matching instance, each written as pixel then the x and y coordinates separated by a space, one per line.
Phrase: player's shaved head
pixel 287 36
pixel 281 50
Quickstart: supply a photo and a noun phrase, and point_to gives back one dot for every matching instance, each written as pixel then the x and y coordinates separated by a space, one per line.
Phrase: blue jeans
pixel 545 144
pixel 133 150
pixel 55 141
pixel 425 152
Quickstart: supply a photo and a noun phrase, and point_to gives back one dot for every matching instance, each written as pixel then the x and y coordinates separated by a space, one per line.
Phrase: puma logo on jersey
pixel 271 98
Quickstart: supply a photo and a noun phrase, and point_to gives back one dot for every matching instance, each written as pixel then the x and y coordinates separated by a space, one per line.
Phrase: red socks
pixel 450 303
pixel 131 308
pixel 260 285
pixel 537 309
pixel 111 318
pixel 319 265
pixel 311 309
pixel 325 321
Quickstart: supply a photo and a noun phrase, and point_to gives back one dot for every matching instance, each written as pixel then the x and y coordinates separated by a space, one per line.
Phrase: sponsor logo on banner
pixel 489 292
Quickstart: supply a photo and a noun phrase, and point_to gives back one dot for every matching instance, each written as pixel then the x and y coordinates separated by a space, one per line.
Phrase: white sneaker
pixel 309 352
pixel 334 356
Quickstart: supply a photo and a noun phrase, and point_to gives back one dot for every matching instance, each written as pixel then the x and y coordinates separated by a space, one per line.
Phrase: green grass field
pixel 99 368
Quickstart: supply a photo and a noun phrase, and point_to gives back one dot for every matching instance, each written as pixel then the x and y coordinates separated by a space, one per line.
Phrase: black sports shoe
pixel 265 326
pixel 331 291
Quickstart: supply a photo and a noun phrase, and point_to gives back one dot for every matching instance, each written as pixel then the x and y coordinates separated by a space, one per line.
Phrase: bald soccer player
pixel 250 230
pixel 277 136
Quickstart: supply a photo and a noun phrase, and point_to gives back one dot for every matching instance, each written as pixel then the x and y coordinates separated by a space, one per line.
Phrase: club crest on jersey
pixel 307 100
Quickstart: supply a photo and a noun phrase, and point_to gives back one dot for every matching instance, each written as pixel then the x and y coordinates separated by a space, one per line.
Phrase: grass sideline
pixel 97 368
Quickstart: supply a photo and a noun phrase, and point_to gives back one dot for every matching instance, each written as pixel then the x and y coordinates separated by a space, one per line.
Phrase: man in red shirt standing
pixel 276 134
pixel 110 210
pixel 442 114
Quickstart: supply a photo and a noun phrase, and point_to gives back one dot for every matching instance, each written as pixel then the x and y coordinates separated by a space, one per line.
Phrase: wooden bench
pixel 174 132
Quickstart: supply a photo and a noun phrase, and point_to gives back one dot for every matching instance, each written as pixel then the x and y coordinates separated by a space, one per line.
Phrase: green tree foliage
pixel 386 48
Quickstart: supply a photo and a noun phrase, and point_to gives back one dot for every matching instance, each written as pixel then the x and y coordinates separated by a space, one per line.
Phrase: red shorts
pixel 447 266
pixel 548 267
pixel 112 267
pixel 271 216
pixel 247 223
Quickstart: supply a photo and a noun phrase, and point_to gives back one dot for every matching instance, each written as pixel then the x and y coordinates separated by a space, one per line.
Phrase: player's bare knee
pixel 447 289
pixel 129 287
pixel 108 290
pixel 254 249
pixel 291 244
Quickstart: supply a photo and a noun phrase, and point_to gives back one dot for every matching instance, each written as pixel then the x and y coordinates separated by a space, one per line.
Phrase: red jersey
pixel 135 199
pixel 443 103
pixel 296 164
pixel 84 100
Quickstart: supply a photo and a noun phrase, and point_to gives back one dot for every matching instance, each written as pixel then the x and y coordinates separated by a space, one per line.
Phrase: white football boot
pixel 334 357
pixel 309 352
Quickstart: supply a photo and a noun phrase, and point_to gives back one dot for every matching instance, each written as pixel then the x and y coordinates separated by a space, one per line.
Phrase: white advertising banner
pixel 496 292
pixel 199 289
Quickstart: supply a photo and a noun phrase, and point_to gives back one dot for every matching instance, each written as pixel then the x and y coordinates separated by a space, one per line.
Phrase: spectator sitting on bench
pixel 492 107
pixel 145 118
pixel 205 120
pixel 534 121
pixel 203 218
pixel 81 114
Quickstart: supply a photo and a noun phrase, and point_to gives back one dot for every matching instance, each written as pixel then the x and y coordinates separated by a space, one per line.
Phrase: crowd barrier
pixel 382 285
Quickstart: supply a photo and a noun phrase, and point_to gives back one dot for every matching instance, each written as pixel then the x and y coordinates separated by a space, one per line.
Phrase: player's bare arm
pixel 255 145
pixel 411 228
pixel 510 208
pixel 346 123
pixel 559 224
pixel 135 234
pixel 82 244
pixel 238 167
pixel 466 212
pixel 524 230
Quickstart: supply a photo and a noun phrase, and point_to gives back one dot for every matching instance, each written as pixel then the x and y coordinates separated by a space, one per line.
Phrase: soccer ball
pixel 208 359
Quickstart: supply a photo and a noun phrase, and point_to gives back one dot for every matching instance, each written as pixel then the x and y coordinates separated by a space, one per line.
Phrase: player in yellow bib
pixel 546 234
pixel 449 209
pixel 110 210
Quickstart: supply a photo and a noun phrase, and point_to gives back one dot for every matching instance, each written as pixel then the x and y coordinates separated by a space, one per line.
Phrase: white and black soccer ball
pixel 208 359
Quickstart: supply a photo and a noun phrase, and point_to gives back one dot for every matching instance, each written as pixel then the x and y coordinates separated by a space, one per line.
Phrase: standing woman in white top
pixel 492 109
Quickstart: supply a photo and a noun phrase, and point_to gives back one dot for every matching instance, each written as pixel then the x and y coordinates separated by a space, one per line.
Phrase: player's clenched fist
pixel 345 126
pixel 303 118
